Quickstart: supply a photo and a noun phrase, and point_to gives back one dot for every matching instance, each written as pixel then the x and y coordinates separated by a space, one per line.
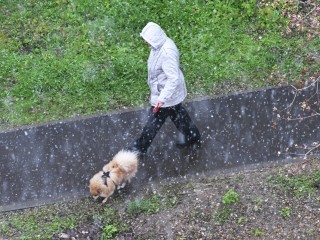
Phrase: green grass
pixel 44 222
pixel 155 203
pixel 37 225
pixel 286 212
pixel 230 197
pixel 224 213
pixel 64 58
pixel 109 231
pixel 257 232
pixel 47 221
pixel 300 186
pixel 144 206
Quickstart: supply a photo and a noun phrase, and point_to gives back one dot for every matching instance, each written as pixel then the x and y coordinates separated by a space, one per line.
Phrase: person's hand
pixel 157 106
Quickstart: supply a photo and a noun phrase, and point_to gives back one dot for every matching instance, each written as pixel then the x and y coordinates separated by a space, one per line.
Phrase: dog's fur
pixel 120 169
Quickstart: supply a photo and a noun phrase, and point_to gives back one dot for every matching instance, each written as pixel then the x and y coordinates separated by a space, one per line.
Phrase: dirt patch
pixel 197 210
pixel 267 206
pixel 264 209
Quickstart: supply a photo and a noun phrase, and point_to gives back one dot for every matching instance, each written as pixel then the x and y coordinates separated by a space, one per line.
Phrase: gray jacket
pixel 165 78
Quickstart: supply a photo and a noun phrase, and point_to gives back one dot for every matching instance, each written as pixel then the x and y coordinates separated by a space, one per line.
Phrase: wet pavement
pixel 53 162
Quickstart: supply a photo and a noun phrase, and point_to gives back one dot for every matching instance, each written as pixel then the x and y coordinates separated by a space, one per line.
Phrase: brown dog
pixel 114 175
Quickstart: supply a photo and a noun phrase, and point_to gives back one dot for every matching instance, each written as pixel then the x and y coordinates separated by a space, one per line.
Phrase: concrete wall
pixel 54 162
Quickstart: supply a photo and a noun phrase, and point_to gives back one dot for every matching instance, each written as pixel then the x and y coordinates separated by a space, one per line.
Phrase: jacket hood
pixel 154 35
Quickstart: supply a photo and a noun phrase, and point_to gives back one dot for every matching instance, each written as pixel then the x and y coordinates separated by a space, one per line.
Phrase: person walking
pixel 167 91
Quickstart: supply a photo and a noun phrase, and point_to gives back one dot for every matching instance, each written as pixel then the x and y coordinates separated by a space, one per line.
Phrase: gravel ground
pixel 266 208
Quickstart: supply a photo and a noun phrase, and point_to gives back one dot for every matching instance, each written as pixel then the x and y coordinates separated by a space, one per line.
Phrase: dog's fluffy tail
pixel 126 159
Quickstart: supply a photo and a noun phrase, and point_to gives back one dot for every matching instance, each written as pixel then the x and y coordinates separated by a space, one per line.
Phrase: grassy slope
pixel 220 206
pixel 64 58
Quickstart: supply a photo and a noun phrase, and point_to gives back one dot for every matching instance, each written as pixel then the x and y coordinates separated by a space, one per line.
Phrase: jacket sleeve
pixel 170 66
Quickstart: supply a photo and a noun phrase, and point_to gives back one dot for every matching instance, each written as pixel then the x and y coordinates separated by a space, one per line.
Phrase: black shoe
pixel 181 145
pixel 184 144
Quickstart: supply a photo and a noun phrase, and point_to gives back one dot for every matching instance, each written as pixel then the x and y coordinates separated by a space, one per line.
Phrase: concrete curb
pixel 53 162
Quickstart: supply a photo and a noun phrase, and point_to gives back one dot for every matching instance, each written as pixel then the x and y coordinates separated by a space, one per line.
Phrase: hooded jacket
pixel 165 78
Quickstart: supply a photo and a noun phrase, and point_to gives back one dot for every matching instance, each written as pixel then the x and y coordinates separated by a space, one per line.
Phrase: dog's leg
pixel 106 198
pixel 122 185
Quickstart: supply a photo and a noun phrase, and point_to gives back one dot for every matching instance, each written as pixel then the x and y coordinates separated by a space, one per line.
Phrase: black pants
pixel 179 117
